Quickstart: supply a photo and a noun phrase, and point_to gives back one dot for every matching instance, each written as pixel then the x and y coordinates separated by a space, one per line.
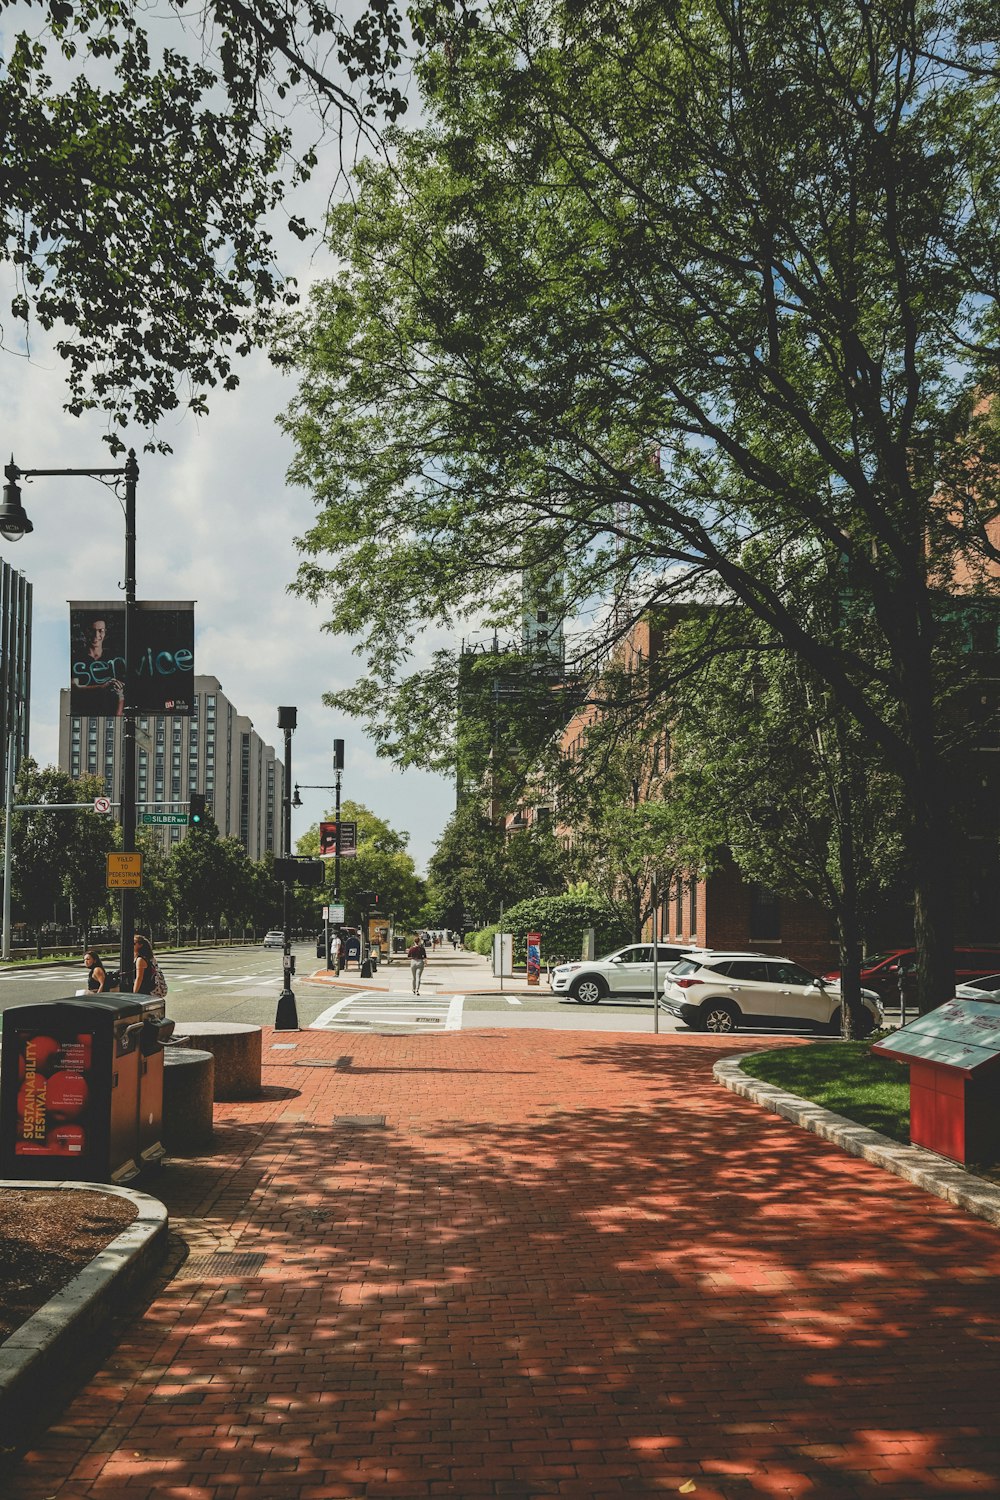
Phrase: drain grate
pixel 222 1265
pixel 363 1122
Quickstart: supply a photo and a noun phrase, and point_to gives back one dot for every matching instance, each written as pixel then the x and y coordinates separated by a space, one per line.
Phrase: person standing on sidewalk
pixel 417 954
pixel 145 965
pixel 98 979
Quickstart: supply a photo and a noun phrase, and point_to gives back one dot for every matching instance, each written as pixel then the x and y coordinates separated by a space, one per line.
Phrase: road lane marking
pixel 322 1021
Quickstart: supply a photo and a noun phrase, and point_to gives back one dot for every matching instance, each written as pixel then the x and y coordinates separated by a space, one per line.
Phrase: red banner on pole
pixel 534 957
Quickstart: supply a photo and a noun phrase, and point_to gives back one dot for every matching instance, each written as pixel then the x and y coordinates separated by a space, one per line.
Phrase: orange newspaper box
pixel 953 1054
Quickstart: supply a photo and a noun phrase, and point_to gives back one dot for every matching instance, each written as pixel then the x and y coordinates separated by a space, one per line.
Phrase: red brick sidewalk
pixel 567 1265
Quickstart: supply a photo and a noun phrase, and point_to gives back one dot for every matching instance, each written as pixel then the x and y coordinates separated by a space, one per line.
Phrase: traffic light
pixel 366 900
pixel 196 810
pixel 338 755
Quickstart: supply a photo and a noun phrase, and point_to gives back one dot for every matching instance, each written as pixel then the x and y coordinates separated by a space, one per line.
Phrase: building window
pixel 765 914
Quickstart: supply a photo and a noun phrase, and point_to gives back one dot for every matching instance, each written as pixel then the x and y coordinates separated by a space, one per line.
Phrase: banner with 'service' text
pixel 162 657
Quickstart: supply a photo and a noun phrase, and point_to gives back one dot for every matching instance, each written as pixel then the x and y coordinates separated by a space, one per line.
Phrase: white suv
pixel 627 971
pixel 722 991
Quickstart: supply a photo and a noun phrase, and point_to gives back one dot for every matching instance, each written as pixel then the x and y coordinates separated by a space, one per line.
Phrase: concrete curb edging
pixel 935 1174
pixel 35 1356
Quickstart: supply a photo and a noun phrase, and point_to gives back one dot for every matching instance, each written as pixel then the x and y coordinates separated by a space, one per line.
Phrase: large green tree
pixel 655 282
pixel 84 861
pixel 60 852
pixel 477 868
pixel 382 866
pixel 144 163
pixel 765 771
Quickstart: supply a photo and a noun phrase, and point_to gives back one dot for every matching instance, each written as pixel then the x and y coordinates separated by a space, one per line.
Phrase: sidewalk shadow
pixel 625 1290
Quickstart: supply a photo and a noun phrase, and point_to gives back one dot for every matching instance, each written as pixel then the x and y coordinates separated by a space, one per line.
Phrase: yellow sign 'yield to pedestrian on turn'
pixel 124 871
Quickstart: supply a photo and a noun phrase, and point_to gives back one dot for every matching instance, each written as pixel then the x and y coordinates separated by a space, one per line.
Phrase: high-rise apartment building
pixel 15 666
pixel 216 751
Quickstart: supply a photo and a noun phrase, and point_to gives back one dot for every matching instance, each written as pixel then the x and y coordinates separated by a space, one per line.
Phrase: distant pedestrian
pixel 335 953
pixel 417 954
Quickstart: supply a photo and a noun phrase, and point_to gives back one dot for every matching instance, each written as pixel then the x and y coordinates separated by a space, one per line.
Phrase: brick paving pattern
pixel 566 1264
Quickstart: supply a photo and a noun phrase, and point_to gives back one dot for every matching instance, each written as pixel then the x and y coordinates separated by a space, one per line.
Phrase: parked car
pixel 627 971
pixel 986 988
pixel 719 992
pixel 883 971
pixel 273 940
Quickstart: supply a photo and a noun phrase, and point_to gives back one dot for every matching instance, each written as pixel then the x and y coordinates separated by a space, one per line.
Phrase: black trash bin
pixel 69 1089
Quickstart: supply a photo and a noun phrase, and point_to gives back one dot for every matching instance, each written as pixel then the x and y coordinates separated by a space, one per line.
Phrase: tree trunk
pixel 851 1008
pixel 933 908
pixel 852 1012
pixel 931 846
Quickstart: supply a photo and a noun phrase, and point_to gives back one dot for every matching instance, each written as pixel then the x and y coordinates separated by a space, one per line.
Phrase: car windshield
pixel 876 960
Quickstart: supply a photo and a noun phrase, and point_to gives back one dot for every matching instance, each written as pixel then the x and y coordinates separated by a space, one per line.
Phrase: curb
pixel 35 1356
pixel 935 1174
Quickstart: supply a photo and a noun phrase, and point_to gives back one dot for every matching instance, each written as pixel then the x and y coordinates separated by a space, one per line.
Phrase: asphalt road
pixel 243 984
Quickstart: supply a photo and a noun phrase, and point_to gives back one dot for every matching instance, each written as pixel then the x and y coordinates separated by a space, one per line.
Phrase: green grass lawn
pixel 844 1077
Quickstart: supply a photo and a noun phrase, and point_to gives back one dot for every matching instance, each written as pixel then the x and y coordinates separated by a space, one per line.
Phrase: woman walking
pixel 417 954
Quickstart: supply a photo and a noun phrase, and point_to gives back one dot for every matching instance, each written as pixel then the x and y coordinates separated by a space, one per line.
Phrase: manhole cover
pixel 359 1121
pixel 221 1265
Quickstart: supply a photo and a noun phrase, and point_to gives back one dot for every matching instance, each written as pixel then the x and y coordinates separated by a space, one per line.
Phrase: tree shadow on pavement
pixel 602 1275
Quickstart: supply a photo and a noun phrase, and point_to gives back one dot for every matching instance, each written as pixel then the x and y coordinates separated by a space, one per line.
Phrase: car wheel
pixel 835 1023
pixel 589 991
pixel 719 1016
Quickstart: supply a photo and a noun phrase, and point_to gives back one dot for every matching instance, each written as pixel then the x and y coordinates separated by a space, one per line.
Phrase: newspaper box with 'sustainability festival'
pixel 953 1055
pixel 78 1089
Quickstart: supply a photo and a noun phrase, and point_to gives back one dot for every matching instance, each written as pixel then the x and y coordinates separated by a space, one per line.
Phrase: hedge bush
pixel 562 921
pixel 481 941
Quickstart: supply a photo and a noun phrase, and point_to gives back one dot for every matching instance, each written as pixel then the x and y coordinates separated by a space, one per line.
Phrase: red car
pixel 882 972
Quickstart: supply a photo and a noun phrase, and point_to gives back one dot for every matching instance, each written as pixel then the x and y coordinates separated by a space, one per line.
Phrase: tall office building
pixel 216 751
pixel 15 666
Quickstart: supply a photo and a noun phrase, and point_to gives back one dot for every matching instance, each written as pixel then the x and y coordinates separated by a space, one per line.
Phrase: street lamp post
pixel 338 766
pixel 287 1017
pixel 14 523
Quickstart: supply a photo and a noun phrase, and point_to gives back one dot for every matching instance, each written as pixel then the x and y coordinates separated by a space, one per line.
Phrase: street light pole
pixel 336 861
pixel 338 766
pixel 287 1018
pixel 127 954
pixel 14 523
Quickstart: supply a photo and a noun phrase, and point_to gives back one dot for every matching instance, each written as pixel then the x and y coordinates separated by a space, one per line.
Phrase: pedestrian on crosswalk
pixel 417 954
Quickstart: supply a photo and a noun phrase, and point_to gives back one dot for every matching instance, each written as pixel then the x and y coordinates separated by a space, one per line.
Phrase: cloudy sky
pixel 215 523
